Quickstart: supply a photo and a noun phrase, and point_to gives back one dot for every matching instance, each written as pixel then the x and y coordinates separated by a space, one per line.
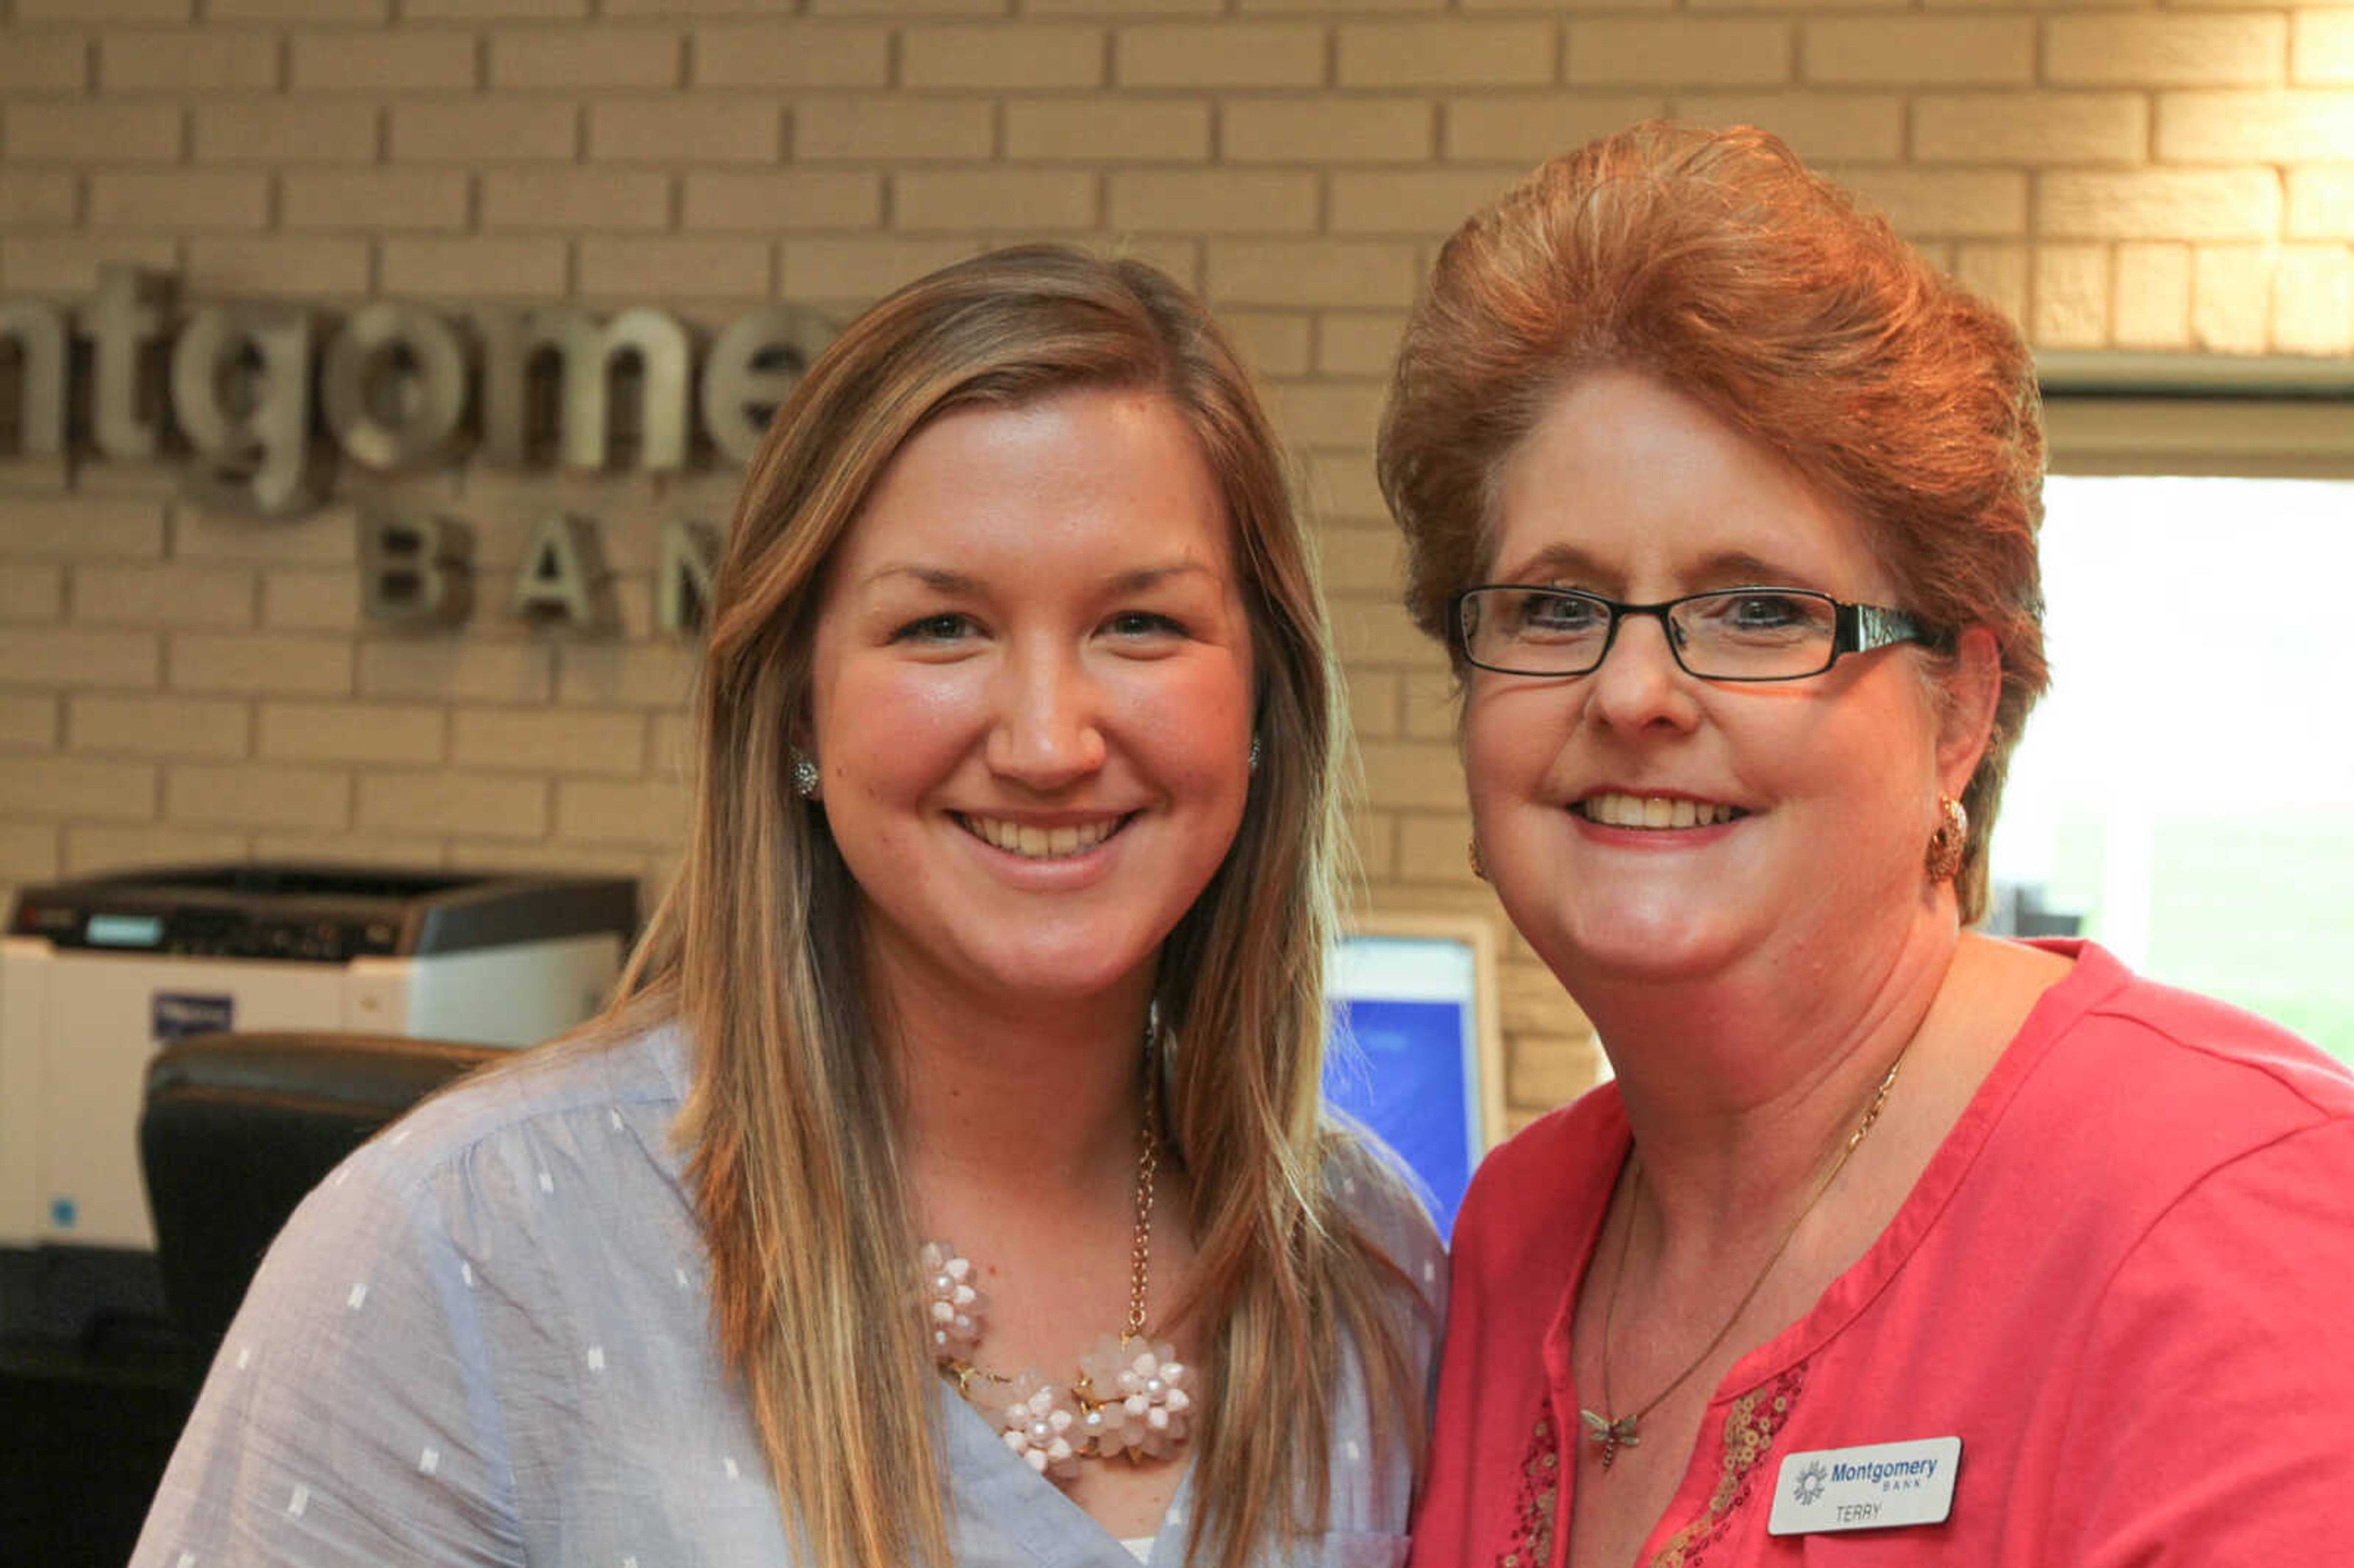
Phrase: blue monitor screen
pixel 1404 1058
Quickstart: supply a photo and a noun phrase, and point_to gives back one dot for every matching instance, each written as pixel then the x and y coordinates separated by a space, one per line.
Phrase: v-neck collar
pixel 995 1483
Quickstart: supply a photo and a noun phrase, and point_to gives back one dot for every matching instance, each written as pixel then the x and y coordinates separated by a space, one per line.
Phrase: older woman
pixel 1891 1242
pixel 1001 922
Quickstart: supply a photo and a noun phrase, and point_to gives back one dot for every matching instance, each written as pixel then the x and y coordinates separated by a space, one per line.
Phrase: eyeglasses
pixel 1735 634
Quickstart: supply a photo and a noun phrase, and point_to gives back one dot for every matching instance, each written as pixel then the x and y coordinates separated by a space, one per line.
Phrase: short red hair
pixel 1716 262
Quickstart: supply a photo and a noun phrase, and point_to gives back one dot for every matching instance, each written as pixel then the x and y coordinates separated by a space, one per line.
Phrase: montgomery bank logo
pixel 261 403
pixel 1811 1484
pixel 1887 1476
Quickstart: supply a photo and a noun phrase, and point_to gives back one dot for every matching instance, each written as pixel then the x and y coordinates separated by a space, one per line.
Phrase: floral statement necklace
pixel 1132 1397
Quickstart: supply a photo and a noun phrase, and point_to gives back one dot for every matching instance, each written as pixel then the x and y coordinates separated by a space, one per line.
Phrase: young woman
pixel 950 1185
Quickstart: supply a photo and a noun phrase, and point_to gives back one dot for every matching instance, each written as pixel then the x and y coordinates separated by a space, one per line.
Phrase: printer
pixel 95 974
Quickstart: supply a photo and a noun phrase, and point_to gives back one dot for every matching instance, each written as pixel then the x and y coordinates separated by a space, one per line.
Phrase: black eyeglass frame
pixel 1855 627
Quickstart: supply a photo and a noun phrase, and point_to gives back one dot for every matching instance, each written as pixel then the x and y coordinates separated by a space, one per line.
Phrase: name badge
pixel 1879 1486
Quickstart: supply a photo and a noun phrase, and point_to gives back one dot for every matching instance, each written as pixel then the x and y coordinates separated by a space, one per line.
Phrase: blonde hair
pixel 1715 261
pixel 791 1121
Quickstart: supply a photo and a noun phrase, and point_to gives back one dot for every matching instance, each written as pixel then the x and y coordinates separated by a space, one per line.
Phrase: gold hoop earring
pixel 1479 865
pixel 1945 845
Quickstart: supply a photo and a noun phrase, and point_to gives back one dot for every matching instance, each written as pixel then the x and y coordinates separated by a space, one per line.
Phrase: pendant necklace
pixel 1613 1433
pixel 1131 1398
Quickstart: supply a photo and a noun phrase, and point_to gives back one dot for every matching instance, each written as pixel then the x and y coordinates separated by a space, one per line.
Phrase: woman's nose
pixel 1047 733
pixel 1640 684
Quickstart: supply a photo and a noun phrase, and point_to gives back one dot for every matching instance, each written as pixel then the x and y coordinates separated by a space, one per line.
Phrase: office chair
pixel 237 1127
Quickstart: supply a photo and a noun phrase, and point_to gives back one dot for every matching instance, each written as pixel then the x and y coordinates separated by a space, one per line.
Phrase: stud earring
pixel 1479 865
pixel 806 777
pixel 1254 753
pixel 1945 855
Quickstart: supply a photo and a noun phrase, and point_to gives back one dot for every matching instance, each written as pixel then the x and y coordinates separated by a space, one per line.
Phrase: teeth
pixel 1040 843
pixel 1618 810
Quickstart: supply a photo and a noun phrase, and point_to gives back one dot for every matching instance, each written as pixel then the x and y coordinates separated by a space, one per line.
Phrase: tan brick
pixel 2071 296
pixel 1374 702
pixel 550 741
pixel 1271 343
pixel 2321 204
pixel 788 201
pixel 1431 705
pixel 1376 633
pixel 458 669
pixel 1358 343
pixel 53 656
pixel 68 264
pixel 1360 560
pixel 497 10
pixel 1326 131
pixel 44 62
pixel 50 788
pixel 1214 201
pixel 82 527
pixel 1434 848
pixel 1359 7
pixel 903 7
pixel 862 268
pixel 260 662
pixel 2164 51
pixel 674 268
pixel 323 538
pixel 1961 205
pixel 1447 54
pixel 256 795
pixel 2150 305
pixel 372 199
pixel 584 860
pixel 161 596
pixel 1002 58
pixel 36 199
pixel 1123 7
pixel 1502 127
pixel 1821 127
pixel 181 199
pixel 569 200
pixel 29 722
pixel 29 852
pixel 320 13
pixel 1345 493
pixel 158 726
pixel 101 10
pixel 418 60
pixel 379 733
pixel 1684 52
pixel 2313 299
pixel 649 813
pixel 1336 414
pixel 1996 274
pixel 1224 53
pixel 185 62
pixel 2231 298
pixel 274 131
pixel 648 675
pixel 95 851
pixel 119 131
pixel 396 851
pixel 585 59
pixel 1312 272
pixel 2159 204
pixel 2321 50
pixel 776 57
pixel 1024 200
pixel 672 751
pixel 506 267
pixel 2255 127
pixel 1134 130
pixel 278 265
pixel 1548 1070
pixel 700 129
pixel 492 130
pixel 29 592
pixel 297 600
pixel 492 805
pixel 1413 774
pixel 1919 51
pixel 2030 128
pixel 1423 201
pixel 890 130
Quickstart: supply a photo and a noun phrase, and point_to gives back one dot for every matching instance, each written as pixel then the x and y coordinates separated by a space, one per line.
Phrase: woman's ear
pixel 1972 687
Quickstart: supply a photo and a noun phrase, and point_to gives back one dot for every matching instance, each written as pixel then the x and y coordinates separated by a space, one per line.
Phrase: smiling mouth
pixel 1617 810
pixel 1033 843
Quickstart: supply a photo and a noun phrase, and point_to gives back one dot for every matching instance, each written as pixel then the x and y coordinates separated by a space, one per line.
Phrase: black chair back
pixel 237 1128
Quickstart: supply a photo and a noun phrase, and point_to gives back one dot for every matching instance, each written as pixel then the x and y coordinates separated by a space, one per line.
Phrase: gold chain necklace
pixel 1614 1433
pixel 1132 1397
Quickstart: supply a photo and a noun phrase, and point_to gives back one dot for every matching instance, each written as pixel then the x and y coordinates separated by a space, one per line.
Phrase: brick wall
pixel 176 685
